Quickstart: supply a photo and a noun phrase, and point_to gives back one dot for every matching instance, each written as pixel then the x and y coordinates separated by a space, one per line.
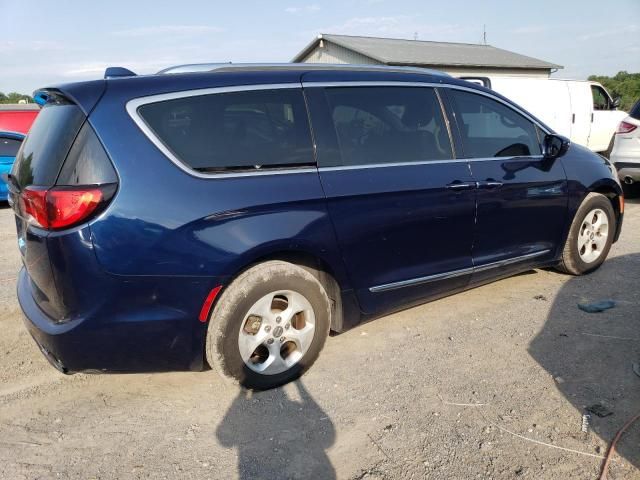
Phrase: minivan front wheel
pixel 590 236
pixel 268 326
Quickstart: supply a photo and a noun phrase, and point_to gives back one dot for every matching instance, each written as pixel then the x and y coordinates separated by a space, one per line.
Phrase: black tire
pixel 222 350
pixel 572 262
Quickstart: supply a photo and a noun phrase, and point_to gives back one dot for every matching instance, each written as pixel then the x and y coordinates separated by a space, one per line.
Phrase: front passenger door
pixel 522 197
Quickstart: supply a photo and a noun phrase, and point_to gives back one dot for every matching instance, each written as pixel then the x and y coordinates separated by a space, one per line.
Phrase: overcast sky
pixel 43 43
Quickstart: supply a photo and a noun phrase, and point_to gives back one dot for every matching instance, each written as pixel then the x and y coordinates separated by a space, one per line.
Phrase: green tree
pixel 624 85
pixel 14 97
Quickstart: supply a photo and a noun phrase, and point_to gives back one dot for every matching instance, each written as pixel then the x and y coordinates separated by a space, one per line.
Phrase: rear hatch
pixel 61 179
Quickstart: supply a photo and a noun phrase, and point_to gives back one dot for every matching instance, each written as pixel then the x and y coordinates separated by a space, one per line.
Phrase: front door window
pixel 601 100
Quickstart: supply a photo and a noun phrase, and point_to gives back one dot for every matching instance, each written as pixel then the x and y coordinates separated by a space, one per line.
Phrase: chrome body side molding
pixel 455 273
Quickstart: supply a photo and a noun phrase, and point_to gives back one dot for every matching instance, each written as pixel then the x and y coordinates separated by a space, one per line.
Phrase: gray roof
pixel 393 51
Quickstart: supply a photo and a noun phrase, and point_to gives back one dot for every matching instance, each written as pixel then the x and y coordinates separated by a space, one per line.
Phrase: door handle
pixel 458 185
pixel 489 184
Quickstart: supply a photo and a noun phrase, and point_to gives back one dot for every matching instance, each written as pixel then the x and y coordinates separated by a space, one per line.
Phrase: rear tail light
pixel 33 203
pixel 63 207
pixel 626 127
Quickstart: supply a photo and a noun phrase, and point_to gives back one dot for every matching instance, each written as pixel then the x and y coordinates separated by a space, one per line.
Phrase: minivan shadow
pixel 277 436
pixel 590 356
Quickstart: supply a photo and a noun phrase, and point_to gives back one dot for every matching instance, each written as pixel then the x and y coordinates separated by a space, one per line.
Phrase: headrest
pixel 418 115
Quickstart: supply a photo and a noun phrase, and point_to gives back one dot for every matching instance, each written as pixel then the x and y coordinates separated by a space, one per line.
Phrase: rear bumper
pixel 628 170
pixel 131 336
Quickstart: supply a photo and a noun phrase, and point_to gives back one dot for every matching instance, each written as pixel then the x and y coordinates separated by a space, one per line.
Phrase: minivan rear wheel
pixel 268 326
pixel 590 236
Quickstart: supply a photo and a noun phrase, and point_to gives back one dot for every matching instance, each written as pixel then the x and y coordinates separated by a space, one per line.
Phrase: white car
pixel 580 110
pixel 626 147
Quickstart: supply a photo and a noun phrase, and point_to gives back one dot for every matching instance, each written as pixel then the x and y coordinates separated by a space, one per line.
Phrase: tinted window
pixel 600 98
pixel 87 162
pixel 267 128
pixel 9 146
pixel 47 145
pixel 635 111
pixel 388 124
pixel 491 129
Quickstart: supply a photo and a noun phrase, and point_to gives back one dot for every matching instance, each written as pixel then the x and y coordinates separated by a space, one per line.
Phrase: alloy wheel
pixel 276 332
pixel 593 235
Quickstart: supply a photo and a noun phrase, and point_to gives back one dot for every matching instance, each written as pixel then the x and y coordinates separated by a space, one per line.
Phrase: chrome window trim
pixel 424 162
pixel 455 273
pixel 387 165
pixel 133 105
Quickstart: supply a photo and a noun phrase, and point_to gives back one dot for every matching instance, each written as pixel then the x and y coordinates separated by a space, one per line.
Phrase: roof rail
pixel 217 67
pixel 115 72
pixel 195 67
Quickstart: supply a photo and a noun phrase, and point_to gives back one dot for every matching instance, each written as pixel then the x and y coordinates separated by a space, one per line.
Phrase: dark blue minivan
pixel 234 215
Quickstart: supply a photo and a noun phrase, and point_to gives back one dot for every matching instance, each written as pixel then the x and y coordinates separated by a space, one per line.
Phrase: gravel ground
pixel 490 383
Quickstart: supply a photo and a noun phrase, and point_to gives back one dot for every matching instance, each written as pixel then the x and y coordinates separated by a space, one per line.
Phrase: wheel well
pixel 322 271
pixel 612 195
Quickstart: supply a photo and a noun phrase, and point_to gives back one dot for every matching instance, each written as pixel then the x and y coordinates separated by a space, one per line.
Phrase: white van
pixel 580 110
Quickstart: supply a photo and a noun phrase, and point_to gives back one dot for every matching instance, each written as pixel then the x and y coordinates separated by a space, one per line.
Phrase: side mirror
pixel 616 103
pixel 555 146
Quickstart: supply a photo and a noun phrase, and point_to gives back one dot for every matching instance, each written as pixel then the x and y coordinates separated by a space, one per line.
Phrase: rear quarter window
pixel 246 130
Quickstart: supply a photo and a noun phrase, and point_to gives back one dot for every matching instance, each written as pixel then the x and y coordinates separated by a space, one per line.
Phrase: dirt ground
pixel 491 383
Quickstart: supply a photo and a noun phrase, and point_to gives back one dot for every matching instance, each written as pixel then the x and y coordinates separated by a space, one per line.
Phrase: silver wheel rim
pixel 276 332
pixel 593 235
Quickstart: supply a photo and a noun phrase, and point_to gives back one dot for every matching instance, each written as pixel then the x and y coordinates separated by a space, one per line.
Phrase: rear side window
pixel 234 131
pixel 377 125
pixel 491 129
pixel 47 145
pixel 9 146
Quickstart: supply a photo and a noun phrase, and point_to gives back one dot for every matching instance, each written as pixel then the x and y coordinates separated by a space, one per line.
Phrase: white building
pixel 457 59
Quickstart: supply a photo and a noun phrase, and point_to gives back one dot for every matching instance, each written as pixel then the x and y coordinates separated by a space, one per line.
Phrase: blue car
pixel 234 215
pixel 9 145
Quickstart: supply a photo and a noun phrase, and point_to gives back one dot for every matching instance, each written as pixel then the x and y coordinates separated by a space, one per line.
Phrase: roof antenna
pixel 484 34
